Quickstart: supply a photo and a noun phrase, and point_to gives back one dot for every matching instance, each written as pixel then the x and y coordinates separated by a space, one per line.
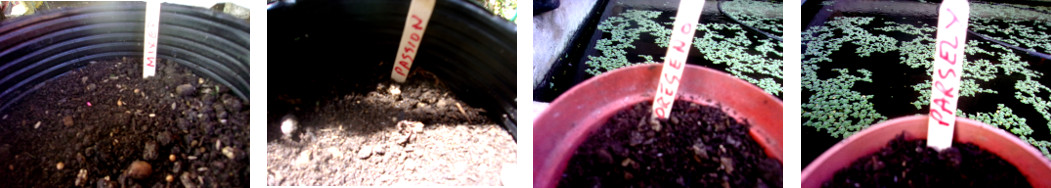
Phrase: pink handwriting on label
pixel 948 68
pixel 149 51
pixel 681 38
pixel 415 25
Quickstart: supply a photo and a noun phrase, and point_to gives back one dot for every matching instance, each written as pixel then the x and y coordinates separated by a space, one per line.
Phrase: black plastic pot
pixel 323 46
pixel 34 49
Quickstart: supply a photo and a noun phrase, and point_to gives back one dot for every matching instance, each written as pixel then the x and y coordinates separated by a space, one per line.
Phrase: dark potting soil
pixel 87 128
pixel 415 133
pixel 910 163
pixel 699 146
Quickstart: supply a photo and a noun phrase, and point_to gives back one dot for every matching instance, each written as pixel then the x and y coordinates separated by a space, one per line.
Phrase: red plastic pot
pixel 573 116
pixel 1029 161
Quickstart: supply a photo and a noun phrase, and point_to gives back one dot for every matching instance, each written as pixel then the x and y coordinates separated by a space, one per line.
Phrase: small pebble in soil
pixel 185 90
pixel 335 153
pixel 394 90
pixel 139 170
pixel 82 178
pixel 380 150
pixel 288 124
pixel 655 124
pixel 303 159
pixel 37 125
pixel 233 104
pixel 67 121
pixel 106 183
pixel 187 179
pixel 177 166
pixel 728 164
pixel 60 165
pixel 229 152
pixel 169 178
pixel 164 137
pixel 171 157
pixel 364 152
pixel 150 150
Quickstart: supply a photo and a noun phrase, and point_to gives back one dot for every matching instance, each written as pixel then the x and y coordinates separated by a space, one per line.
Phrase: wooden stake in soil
pixel 415 24
pixel 948 68
pixel 675 60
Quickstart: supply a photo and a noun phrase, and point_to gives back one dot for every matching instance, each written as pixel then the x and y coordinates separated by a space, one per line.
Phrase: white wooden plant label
pixel 415 24
pixel 675 60
pixel 948 68
pixel 149 42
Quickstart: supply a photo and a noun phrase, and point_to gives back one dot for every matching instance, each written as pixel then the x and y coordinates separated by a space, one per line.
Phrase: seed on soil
pixel 185 90
pixel 171 157
pixel 37 125
pixel 67 121
pixel 169 178
pixel 60 166
pixel 139 170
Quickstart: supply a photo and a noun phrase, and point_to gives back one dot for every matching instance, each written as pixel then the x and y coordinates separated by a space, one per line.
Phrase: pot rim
pixel 868 141
pixel 592 102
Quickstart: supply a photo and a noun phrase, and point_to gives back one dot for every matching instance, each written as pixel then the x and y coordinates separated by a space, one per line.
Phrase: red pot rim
pixel 1029 161
pixel 566 122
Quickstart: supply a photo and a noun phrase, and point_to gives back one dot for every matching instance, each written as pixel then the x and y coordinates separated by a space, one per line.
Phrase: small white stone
pixel 394 90
pixel 153 115
pixel 37 125
pixel 288 124
pixel 229 152
pixel 364 152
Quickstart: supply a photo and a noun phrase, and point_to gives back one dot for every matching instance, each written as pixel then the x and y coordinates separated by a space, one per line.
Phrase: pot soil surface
pixel 412 133
pixel 910 163
pixel 698 146
pixel 89 126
